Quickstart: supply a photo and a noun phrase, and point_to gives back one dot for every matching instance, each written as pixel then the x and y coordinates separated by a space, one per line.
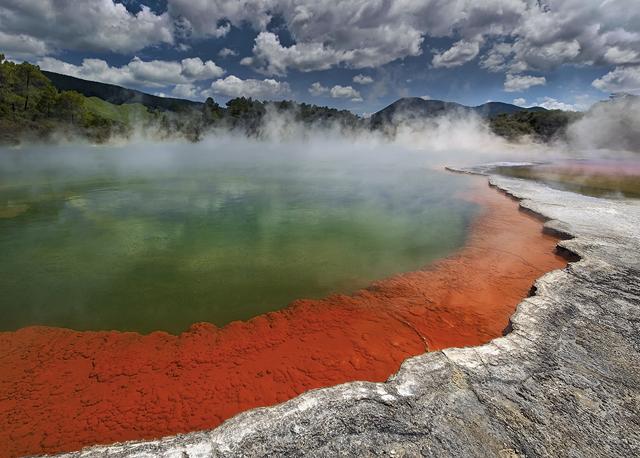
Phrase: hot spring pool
pixel 159 237
pixel 609 178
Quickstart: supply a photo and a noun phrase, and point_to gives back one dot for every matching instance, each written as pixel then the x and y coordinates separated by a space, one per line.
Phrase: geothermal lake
pixel 157 237
pixel 608 178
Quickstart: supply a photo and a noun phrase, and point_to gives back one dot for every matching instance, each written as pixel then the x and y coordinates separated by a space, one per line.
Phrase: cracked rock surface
pixel 564 382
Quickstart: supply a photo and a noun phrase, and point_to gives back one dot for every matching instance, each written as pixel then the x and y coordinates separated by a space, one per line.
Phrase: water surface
pixel 607 178
pixel 159 237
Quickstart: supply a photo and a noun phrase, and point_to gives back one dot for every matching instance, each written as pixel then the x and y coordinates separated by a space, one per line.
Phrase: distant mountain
pixel 413 108
pixel 491 109
pixel 119 95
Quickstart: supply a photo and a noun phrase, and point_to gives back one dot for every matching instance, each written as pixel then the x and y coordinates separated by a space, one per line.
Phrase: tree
pixel 48 98
pixel 211 111
pixel 71 106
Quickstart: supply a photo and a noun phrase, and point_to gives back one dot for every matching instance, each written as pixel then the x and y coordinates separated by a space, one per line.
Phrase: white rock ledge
pixel 564 382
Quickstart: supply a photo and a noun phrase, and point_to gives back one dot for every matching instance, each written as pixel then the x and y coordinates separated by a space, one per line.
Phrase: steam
pixel 453 138
pixel 609 128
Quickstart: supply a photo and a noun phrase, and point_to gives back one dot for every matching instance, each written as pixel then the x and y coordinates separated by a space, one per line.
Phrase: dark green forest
pixel 540 125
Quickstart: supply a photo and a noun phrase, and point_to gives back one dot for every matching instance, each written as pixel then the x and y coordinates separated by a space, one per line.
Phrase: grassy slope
pixel 126 114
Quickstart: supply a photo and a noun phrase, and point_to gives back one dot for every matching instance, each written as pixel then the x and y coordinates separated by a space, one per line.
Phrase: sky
pixel 358 54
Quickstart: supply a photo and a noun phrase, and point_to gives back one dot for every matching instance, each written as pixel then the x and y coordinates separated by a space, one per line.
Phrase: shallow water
pixel 612 179
pixel 157 238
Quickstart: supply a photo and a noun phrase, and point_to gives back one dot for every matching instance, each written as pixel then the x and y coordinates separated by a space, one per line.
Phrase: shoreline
pixel 123 386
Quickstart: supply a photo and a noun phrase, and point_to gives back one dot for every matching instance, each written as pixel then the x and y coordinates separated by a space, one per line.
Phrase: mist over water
pixel 157 236
pixel 145 235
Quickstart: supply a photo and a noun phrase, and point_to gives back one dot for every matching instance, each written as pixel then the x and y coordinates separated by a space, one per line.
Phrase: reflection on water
pixel 117 239
pixel 598 178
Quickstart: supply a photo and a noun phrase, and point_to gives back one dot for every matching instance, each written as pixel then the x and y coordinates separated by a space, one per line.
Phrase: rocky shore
pixel 565 381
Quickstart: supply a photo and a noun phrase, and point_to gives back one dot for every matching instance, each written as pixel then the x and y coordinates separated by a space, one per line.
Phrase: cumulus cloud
pixel 460 53
pixel 271 58
pixel 496 58
pixel 205 18
pixel 547 57
pixel 520 36
pixel 553 104
pixel 519 101
pixel 138 72
pixel 317 89
pixel 617 55
pixel 620 79
pixel 362 79
pixel 22 46
pixel 528 35
pixel 185 91
pixel 226 52
pixel 518 83
pixel 93 25
pixel 345 92
pixel 232 86
pixel 336 92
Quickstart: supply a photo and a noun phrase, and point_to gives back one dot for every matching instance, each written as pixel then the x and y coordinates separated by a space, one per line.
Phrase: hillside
pixel 118 95
pixel 32 108
pixel 491 109
pixel 415 108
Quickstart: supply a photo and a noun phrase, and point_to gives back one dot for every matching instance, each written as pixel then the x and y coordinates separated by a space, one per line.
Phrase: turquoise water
pixel 154 238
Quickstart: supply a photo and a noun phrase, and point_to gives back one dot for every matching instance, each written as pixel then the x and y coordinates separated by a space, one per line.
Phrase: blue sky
pixel 356 54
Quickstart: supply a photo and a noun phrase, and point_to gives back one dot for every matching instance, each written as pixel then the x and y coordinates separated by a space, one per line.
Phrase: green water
pixel 101 238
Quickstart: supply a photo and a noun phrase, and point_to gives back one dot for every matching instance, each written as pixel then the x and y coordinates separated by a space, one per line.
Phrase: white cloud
pixel 519 101
pixel 185 91
pixel 425 97
pixel 522 35
pixel 271 58
pixel 22 46
pixel 616 55
pixel 317 89
pixel 620 79
pixel 226 52
pixel 460 53
pixel 518 83
pixel 496 59
pixel 232 86
pixel 202 18
pixel 527 35
pixel 552 104
pixel 195 69
pixel 336 92
pixel 550 56
pixel 345 92
pixel 88 25
pixel 138 72
pixel 362 79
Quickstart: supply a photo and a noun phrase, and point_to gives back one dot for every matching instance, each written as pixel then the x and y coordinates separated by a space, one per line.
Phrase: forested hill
pixel 32 108
pixel 416 108
pixel 118 95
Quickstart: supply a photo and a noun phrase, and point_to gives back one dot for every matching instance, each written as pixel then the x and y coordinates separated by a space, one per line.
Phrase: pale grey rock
pixel 564 382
